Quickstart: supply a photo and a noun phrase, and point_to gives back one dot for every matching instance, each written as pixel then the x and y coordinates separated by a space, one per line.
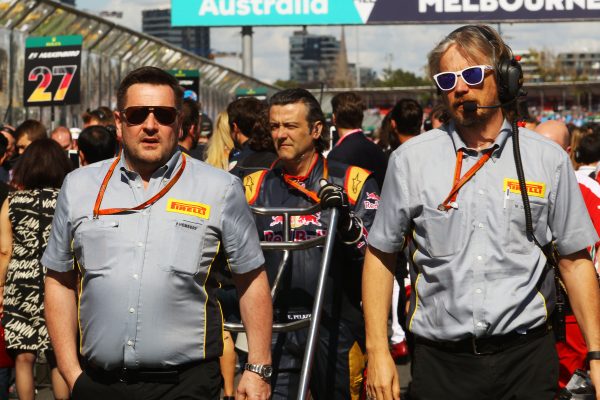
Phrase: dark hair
pixel 190 116
pixel 387 137
pixel 588 150
pixel 3 145
pixel 152 76
pixel 97 143
pixel 348 108
pixel 34 130
pixel 251 117
pixel 314 113
pixel 103 114
pixel 43 164
pixel 408 116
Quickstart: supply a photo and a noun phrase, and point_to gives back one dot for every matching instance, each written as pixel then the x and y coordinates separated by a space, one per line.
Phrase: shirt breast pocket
pixel 186 246
pixel 94 238
pixel 515 233
pixel 443 231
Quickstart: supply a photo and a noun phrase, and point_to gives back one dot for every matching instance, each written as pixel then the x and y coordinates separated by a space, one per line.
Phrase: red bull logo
pixel 373 196
pixel 306 220
pixel 276 220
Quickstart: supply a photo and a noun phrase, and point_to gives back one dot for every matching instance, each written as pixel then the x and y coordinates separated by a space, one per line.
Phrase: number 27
pixel 44 75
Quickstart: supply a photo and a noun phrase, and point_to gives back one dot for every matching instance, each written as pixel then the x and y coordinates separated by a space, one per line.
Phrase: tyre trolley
pixel 287 245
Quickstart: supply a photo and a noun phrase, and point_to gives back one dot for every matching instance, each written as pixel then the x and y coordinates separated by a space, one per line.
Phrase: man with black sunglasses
pixel 148 231
pixel 483 294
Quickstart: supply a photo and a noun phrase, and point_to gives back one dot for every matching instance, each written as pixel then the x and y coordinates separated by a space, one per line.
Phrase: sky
pixel 378 47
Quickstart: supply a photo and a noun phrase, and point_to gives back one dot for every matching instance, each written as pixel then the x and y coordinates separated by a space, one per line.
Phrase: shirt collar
pixel 499 142
pixel 165 170
pixel 340 140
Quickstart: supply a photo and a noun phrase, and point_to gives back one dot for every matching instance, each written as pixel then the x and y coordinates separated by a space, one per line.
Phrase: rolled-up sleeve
pixel 239 234
pixel 392 220
pixel 59 252
pixel 569 220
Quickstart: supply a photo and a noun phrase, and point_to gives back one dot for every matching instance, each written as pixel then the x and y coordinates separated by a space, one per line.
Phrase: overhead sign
pixel 375 12
pixel 189 79
pixel 52 70
pixel 259 93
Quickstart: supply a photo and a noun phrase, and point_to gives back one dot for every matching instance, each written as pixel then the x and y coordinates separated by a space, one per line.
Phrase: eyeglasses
pixel 472 76
pixel 138 114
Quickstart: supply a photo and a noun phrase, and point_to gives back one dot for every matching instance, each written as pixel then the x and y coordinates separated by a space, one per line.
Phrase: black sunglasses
pixel 138 114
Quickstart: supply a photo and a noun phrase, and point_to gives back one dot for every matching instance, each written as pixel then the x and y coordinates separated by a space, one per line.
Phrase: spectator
pixel 190 129
pixel 101 116
pixel 96 143
pixel 62 136
pixel 353 148
pixel 220 144
pixel 28 132
pixel 25 221
pixel 405 122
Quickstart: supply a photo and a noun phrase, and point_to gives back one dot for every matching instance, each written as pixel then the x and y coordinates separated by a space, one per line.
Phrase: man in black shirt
pixel 353 148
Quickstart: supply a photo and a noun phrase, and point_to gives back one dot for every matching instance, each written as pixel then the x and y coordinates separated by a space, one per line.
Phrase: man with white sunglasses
pixel 482 295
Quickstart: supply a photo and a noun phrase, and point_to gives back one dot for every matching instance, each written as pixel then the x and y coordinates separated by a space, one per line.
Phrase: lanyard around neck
pixel 292 181
pixel 147 203
pixel 450 201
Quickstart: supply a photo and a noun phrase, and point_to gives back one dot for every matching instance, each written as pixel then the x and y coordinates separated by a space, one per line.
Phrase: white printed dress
pixel 30 213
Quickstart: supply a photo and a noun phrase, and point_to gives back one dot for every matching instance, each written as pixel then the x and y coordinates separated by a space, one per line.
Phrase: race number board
pixel 52 70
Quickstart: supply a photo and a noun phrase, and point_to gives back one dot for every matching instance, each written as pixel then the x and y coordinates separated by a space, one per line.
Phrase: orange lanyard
pixel 450 201
pixel 312 195
pixel 147 203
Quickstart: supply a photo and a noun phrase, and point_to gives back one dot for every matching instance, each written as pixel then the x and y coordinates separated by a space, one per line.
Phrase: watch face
pixel 267 371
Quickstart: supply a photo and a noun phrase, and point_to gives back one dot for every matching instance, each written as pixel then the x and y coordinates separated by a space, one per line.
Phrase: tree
pixel 399 77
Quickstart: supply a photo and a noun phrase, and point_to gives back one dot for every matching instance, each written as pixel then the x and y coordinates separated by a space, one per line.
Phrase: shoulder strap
pixel 252 183
pixel 354 182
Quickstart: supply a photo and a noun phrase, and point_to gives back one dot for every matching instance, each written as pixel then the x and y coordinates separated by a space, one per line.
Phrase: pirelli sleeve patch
pixel 354 181
pixel 536 189
pixel 252 185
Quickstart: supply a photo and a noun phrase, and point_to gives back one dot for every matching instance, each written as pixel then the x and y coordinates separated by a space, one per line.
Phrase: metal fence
pixel 109 52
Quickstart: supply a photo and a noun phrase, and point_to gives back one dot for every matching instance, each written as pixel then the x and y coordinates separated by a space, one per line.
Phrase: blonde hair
pixel 576 135
pixel 220 144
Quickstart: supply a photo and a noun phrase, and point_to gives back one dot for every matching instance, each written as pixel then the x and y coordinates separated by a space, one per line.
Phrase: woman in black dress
pixel 25 220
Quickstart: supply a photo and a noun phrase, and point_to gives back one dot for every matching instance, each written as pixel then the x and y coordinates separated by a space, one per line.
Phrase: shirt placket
pixel 477 195
pixel 131 359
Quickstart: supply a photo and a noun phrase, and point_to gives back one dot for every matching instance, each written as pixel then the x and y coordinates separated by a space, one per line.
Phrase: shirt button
pixel 140 244
pixel 131 310
pixel 480 324
pixel 139 185
pixel 480 225
pixel 135 276
pixel 481 192
pixel 478 291
pixel 130 343
pixel 479 258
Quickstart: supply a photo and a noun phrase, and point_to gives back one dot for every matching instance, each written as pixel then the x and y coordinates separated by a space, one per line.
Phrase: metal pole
pixel 247 55
pixel 315 319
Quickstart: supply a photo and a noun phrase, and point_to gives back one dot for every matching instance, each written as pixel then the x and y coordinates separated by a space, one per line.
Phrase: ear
pixel 333 119
pixel 393 124
pixel 119 124
pixel 317 129
pixel 82 160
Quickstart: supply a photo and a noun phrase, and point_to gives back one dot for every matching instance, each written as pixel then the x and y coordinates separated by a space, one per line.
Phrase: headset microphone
pixel 472 106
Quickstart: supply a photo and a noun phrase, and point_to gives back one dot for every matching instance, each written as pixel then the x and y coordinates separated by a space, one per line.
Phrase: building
pixel 313 58
pixel 579 65
pixel 531 62
pixel 193 39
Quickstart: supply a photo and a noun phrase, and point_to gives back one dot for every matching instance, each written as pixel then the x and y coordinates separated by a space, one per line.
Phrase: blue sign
pixel 375 12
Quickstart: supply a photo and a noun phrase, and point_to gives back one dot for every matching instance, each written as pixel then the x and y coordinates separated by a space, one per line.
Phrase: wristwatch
pixel 593 355
pixel 264 371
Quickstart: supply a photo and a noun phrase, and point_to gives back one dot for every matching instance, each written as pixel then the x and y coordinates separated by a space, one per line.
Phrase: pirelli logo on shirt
pixel 188 208
pixel 537 189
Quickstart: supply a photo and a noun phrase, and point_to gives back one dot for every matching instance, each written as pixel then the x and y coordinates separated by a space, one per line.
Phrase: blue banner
pixel 375 12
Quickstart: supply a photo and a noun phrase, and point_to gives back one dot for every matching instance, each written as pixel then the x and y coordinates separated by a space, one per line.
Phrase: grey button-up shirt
pixel 148 286
pixel 475 271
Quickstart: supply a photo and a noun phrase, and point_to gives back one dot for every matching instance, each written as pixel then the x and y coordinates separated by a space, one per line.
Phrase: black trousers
pixel 523 372
pixel 202 382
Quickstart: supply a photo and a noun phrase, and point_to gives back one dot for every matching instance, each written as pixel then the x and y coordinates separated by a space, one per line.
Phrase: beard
pixel 477 118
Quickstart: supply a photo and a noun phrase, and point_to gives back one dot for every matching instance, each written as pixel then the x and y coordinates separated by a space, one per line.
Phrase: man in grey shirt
pixel 148 231
pixel 482 296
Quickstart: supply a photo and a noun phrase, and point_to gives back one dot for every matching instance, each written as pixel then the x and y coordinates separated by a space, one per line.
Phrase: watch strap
pixel 593 355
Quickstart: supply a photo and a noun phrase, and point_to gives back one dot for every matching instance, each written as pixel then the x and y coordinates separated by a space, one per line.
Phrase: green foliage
pixel 399 78
pixel 286 84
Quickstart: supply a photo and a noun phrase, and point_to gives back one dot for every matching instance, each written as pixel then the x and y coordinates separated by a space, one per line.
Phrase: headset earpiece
pixel 510 79
pixel 577 156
